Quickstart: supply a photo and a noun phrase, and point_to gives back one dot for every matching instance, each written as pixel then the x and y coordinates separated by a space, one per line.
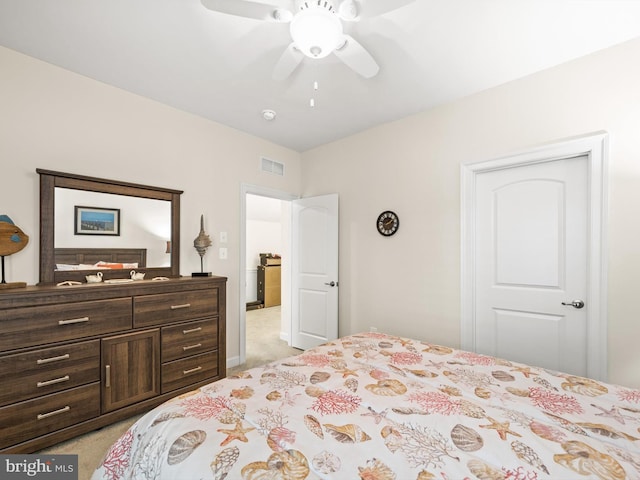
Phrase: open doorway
pixel 264 247
pixel 265 229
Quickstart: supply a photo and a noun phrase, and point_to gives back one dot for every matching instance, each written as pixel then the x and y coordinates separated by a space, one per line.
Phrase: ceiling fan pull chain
pixel 312 101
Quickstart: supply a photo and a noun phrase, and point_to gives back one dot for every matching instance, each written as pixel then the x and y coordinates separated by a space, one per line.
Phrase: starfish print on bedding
pixel 347 371
pixel 526 371
pixel 288 399
pixel 612 413
pixel 237 433
pixel 437 365
pixel 501 428
pixel 377 416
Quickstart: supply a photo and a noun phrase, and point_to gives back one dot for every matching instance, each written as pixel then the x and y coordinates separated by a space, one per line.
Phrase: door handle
pixel 575 304
pixel 332 283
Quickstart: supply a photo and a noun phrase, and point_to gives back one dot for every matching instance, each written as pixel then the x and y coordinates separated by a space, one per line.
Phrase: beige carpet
pixel 263 346
pixel 263 338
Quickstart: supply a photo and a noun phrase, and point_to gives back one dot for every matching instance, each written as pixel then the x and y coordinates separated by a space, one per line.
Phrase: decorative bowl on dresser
pixel 77 358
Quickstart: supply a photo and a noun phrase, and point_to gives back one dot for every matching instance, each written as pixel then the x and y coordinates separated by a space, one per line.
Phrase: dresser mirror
pixel 90 225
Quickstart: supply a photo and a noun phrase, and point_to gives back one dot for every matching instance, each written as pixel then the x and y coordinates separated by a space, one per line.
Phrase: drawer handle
pixel 107 376
pixel 42 361
pixel 52 382
pixel 178 307
pixel 193 370
pixel 189 347
pixel 73 321
pixel 192 330
pixel 42 416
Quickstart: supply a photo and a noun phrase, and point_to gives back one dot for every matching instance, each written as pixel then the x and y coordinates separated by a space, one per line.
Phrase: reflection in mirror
pixel 144 223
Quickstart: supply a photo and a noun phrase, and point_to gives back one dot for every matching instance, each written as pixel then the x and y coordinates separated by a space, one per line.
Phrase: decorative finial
pixel 201 243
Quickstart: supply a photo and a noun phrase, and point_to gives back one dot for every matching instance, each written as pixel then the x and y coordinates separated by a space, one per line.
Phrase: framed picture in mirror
pixel 97 221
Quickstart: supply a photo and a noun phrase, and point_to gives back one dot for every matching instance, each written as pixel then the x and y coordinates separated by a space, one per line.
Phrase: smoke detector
pixel 268 115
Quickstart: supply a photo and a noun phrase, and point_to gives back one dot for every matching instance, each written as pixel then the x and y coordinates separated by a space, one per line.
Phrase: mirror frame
pixel 49 180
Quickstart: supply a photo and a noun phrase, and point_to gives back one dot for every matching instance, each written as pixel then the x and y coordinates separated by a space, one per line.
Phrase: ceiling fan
pixel 316 28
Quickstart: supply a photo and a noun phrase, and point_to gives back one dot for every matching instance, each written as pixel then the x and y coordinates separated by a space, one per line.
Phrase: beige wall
pixel 409 284
pixel 53 119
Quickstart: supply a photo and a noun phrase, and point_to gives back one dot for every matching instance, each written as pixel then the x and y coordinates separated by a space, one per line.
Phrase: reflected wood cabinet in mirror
pixel 77 358
pixel 50 180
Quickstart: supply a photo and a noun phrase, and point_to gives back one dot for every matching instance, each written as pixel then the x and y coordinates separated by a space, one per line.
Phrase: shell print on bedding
pixel 185 445
pixel 367 407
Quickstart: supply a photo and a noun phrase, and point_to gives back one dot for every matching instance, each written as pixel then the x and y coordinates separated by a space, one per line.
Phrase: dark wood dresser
pixel 77 358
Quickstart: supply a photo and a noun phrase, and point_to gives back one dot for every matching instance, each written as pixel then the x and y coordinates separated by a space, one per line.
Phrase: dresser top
pixel 51 294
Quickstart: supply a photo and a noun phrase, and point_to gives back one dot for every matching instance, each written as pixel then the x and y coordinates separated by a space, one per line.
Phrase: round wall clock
pixel 387 223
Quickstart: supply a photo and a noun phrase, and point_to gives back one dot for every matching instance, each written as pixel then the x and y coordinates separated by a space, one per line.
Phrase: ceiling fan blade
pixel 352 10
pixel 357 58
pixel 248 9
pixel 288 62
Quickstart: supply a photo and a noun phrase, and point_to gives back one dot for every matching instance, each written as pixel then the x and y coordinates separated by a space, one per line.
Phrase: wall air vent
pixel 271 166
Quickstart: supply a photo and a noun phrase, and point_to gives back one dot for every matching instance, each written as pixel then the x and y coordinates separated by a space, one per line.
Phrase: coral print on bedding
pixel 379 407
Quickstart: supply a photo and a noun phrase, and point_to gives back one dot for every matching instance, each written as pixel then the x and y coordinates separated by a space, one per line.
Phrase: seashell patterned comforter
pixel 377 407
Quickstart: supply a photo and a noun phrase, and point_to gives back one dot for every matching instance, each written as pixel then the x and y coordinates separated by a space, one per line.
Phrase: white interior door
pixel 521 256
pixel 314 271
pixel 531 261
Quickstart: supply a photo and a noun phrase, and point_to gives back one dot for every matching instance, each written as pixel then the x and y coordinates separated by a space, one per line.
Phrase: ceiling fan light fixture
pixel 348 11
pixel 316 31
pixel 282 15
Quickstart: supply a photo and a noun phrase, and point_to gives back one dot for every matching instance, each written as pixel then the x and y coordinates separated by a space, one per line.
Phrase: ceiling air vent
pixel 271 166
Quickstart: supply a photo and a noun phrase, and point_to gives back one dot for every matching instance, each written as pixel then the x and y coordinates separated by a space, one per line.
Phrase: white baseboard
pixel 233 362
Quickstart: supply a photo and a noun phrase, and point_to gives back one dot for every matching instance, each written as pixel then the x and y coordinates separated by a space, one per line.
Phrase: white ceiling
pixel 219 66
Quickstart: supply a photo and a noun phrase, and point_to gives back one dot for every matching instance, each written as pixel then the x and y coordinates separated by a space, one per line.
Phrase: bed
pixel 70 259
pixel 377 407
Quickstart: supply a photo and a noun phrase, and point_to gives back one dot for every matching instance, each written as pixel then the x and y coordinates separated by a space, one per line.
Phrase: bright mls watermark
pixel 39 467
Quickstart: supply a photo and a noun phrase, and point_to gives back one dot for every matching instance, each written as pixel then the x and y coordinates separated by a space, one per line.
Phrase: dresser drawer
pixel 29 326
pixel 48 370
pixel 181 373
pixel 25 420
pixel 152 310
pixel 179 341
